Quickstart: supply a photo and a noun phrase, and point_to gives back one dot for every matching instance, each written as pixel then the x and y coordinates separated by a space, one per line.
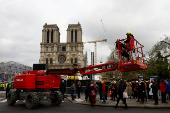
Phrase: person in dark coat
pixel 79 88
pixel 112 91
pixel 168 88
pixel 155 91
pixel 120 95
pixel 142 91
pixel 124 85
pixel 141 88
pixel 133 86
pixel 7 89
pixel 136 90
pixel 87 91
pixel 100 89
pixel 147 90
pixel 63 88
pixel 106 88
pixel 115 90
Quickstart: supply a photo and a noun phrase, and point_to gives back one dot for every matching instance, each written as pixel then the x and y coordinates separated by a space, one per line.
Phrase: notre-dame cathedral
pixel 62 55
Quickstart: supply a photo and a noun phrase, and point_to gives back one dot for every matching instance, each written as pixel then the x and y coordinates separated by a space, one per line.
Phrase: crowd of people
pixel 6 87
pixel 140 90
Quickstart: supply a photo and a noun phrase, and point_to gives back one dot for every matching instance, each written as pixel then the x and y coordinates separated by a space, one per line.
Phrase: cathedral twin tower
pixel 62 55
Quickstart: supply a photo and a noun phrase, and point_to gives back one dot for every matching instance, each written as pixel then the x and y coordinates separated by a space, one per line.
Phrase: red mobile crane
pixel 38 85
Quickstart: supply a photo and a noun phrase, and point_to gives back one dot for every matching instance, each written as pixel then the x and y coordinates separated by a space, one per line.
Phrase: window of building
pixel 46 48
pixel 76 36
pixel 71 35
pixel 51 61
pixel 52 36
pixel 63 48
pixel 52 48
pixel 46 60
pixel 75 48
pixel 48 36
pixel 72 60
pixel 59 48
pixel 75 60
pixel 71 48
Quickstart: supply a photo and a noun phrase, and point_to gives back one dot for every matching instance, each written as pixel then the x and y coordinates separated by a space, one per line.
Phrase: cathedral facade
pixel 62 55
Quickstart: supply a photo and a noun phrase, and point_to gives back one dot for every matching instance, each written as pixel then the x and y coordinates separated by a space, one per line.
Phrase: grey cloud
pixel 22 23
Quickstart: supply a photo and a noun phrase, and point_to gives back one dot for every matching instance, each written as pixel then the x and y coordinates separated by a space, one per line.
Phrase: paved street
pixel 69 107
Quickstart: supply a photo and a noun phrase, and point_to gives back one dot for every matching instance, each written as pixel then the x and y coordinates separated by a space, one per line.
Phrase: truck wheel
pixel 56 98
pixel 31 100
pixel 11 98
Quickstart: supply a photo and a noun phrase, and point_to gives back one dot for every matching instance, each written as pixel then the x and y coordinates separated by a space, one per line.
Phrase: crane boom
pixel 104 40
pixel 95 48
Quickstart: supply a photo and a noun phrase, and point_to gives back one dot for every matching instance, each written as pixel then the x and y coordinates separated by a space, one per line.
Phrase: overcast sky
pixel 22 22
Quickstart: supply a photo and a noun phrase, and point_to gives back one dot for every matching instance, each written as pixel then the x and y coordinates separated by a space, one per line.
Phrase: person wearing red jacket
pixel 92 94
pixel 162 86
pixel 130 43
pixel 104 93
pixel 95 85
pixel 95 88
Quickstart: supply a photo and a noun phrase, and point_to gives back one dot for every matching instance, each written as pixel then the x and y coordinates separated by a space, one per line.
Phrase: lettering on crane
pixel 126 63
pixel 19 79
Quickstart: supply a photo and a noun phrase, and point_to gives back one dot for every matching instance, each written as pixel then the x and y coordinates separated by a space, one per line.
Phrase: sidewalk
pixel 2 92
pixel 131 103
